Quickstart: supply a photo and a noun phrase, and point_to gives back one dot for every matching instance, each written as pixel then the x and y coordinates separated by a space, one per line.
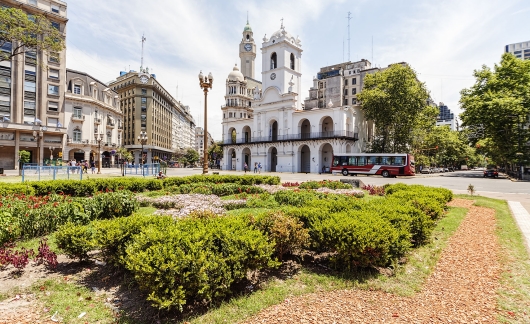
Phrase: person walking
pixel 255 167
pixel 245 167
pixel 259 167
pixel 93 166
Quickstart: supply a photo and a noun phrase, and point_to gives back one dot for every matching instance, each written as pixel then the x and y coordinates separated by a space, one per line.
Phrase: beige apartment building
pixel 92 112
pixel 148 107
pixel 32 89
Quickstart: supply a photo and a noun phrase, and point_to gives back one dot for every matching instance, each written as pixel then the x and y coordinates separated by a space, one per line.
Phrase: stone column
pixel 17 148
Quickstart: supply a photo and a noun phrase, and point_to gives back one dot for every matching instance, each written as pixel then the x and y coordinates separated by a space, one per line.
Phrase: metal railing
pixel 32 171
pixel 142 169
pixel 295 137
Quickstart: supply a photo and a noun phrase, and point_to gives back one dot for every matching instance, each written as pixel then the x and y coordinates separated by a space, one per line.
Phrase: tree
pixel 215 152
pixel 23 157
pixel 22 32
pixel 191 156
pixel 124 154
pixel 396 102
pixel 496 108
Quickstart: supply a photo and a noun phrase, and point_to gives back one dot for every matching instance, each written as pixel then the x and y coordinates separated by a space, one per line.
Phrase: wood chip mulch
pixel 461 289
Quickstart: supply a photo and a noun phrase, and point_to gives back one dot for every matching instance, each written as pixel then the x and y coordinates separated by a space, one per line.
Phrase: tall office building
pixel 148 107
pixel 520 50
pixel 446 117
pixel 32 87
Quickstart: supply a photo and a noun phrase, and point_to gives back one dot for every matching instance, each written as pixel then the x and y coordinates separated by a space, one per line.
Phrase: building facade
pixel 92 111
pixel 148 107
pixel 520 50
pixel 272 126
pixel 199 141
pixel 446 117
pixel 32 87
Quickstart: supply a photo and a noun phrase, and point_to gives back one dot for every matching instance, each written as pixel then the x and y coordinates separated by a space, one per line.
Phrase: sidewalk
pixel 522 217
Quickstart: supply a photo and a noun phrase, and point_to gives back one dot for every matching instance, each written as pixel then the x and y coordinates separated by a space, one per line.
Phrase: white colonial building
pixel 92 110
pixel 268 123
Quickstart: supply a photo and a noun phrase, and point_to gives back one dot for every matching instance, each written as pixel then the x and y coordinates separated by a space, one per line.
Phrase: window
pixel 345 101
pixel 354 101
pixel 53 106
pixel 292 61
pixel 53 74
pixel 56 25
pixel 53 57
pixel 53 121
pixel 144 91
pixel 78 112
pixel 29 105
pixel 5 82
pixel 29 86
pixel 354 81
pixel 53 90
pixel 6 47
pixel 55 8
pixel 32 2
pixel 77 135
pixel 109 137
pixel 144 100
pixel 77 89
pixel 274 61
pixel 346 92
pixel 354 91
pixel 30 70
pixel 345 81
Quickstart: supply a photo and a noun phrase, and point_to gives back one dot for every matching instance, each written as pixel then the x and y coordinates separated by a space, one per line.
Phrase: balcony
pixel 296 137
pixel 73 142
pixel 78 118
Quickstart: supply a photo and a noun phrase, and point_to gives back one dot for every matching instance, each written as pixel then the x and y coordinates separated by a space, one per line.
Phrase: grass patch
pixel 407 280
pixel 145 211
pixel 69 300
pixel 34 243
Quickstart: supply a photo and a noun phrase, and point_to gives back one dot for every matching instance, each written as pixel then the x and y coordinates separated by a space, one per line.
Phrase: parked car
pixel 491 173
pixel 426 170
pixel 446 169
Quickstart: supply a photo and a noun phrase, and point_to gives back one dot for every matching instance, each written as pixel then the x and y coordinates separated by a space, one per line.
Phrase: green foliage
pixel 287 233
pixel 196 260
pixel 496 108
pixel 220 189
pixel 75 240
pixel 12 188
pixel 295 197
pixel 24 156
pixel 324 184
pixel 191 156
pixel 27 34
pixel 242 180
pixel 397 103
pixel 115 204
pixel 9 226
pixel 264 200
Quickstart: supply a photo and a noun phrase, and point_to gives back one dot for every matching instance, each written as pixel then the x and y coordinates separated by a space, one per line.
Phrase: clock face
pixel 248 47
pixel 273 76
pixel 144 79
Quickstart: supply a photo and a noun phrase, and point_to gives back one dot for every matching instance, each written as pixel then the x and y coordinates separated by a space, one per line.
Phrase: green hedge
pixel 86 188
pixel 325 184
pixel 218 189
pixel 32 216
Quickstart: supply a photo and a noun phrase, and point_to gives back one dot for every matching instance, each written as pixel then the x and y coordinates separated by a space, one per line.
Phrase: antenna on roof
pixel 349 18
pixel 142 63
pixel 247 17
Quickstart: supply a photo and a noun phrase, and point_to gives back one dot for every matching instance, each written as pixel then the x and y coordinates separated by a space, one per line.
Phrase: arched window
pixel 77 135
pixel 273 61
pixel 292 61
pixel 109 137
pixel 248 36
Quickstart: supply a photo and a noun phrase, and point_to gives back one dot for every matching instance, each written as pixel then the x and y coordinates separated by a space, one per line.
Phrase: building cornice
pixel 90 100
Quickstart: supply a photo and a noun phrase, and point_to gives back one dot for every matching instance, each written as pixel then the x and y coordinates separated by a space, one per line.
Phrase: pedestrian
pixel 245 167
pixel 259 167
pixel 93 166
pixel 255 167
pixel 85 167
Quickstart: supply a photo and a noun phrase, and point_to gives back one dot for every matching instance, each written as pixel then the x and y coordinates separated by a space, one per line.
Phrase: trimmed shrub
pixel 287 233
pixel 196 260
pixel 296 197
pixel 325 184
pixel 8 189
pixel 75 240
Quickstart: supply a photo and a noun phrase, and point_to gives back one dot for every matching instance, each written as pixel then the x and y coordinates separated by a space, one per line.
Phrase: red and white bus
pixel 385 164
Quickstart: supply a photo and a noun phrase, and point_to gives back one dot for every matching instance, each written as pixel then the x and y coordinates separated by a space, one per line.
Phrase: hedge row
pixel 85 188
pixel 218 189
pixel 23 216
pixel 176 262
pixel 325 184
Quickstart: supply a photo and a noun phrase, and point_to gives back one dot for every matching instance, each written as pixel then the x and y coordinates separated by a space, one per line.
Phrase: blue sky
pixel 443 40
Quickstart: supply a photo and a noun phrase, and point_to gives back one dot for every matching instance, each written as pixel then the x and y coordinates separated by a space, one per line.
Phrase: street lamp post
pixel 205 83
pixel 142 138
pixel 37 135
pixel 99 138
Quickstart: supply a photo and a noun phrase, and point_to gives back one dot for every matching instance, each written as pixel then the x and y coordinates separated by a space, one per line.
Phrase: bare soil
pixel 461 289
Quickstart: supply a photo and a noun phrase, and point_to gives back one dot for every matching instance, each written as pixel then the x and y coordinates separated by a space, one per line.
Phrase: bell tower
pixel 247 52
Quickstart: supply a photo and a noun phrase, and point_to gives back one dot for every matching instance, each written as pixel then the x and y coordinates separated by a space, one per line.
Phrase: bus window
pixel 372 159
pixel 343 160
pixel 336 160
pixel 398 160
pixel 361 160
pixel 352 160
pixel 385 160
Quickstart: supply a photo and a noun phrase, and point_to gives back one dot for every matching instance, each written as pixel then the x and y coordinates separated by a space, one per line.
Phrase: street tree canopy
pixel 215 151
pixel 21 32
pixel 397 103
pixel 496 109
pixel 191 156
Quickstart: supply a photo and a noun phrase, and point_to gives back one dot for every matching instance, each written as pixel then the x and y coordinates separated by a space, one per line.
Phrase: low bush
pixel 220 189
pixel 75 240
pixel 374 190
pixel 296 197
pixel 287 232
pixel 325 184
pixel 196 260
pixel 11 188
